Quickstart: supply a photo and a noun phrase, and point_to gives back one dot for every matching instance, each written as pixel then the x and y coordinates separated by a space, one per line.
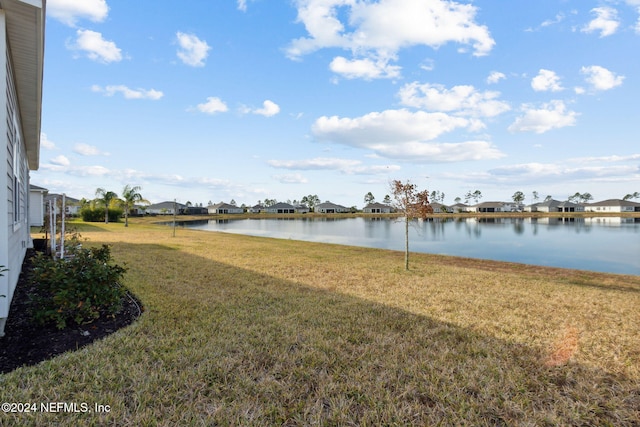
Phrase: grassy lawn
pixel 242 330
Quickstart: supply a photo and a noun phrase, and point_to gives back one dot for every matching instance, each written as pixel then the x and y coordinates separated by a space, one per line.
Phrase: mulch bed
pixel 26 344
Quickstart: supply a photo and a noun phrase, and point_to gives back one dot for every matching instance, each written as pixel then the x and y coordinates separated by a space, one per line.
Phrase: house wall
pixel 617 209
pixel 36 208
pixel 14 182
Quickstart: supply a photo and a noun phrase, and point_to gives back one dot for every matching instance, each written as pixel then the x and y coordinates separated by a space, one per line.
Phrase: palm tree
pixel 131 196
pixel 105 197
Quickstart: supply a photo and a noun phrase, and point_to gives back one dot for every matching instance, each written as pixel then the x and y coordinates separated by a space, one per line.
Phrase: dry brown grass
pixel 249 331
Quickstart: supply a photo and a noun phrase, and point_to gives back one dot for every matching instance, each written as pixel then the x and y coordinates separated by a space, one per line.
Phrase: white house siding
pixel 36 207
pixel 15 185
pixel 22 30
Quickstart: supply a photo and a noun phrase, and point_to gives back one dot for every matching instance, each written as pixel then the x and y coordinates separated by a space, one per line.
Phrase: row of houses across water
pixel 548 206
pixel 39 196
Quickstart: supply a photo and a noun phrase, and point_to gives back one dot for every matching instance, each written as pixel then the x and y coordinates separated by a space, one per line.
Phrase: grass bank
pixel 242 330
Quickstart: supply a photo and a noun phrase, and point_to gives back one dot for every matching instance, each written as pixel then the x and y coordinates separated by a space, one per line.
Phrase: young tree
pixel 575 198
pixel 476 195
pixel 387 200
pixel 437 196
pixel 368 198
pixel 131 196
pixel 105 198
pixel 311 200
pixel 413 204
pixel 535 196
pixel 518 197
pixel 585 197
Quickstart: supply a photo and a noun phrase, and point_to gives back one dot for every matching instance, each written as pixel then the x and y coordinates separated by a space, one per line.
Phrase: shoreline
pixel 476 261
pixel 182 218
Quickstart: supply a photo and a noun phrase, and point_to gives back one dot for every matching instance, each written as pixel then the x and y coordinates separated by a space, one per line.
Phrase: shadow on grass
pixel 251 349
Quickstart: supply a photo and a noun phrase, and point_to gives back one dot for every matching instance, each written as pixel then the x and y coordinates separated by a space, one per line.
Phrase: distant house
pixel 165 208
pixel 552 205
pixel 36 205
pixel 459 207
pixel 328 207
pixel 302 209
pixel 376 208
pixel 440 208
pixel 224 208
pixel 613 205
pixel 21 74
pixel 195 210
pixel 486 207
pixel 281 208
pixel 257 208
pixel 71 206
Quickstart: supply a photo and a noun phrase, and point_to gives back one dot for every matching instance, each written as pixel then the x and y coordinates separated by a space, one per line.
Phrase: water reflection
pixel 602 243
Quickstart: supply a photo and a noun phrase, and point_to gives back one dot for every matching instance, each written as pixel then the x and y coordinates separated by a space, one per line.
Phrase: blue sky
pixel 214 100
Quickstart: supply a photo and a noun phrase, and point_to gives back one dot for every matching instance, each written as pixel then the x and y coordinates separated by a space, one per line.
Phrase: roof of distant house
pixel 166 205
pixel 614 202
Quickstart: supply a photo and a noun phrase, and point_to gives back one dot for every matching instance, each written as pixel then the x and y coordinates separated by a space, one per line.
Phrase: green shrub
pixel 80 288
pixel 96 214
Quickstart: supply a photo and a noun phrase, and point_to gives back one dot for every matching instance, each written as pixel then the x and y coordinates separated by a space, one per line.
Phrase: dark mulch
pixel 26 344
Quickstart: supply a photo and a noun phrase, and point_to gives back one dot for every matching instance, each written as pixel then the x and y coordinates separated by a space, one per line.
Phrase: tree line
pixel 110 206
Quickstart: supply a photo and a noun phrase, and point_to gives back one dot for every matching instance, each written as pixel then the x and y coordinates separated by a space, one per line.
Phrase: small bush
pixel 80 288
pixel 96 214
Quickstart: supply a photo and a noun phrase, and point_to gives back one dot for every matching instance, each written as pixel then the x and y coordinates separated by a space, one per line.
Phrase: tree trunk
pixel 406 242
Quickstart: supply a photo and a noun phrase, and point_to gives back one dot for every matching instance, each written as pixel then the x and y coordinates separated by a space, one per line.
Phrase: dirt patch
pixel 26 343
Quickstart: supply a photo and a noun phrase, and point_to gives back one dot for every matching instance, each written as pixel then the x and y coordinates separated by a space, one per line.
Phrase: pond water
pixel 607 244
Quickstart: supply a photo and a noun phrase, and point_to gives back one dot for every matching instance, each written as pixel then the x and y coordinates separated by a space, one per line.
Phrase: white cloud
pixel 552 115
pixel 88 150
pixel 269 108
pixel 495 77
pixel 400 134
pixel 560 171
pixel 291 178
pixel 319 163
pixel 212 106
pixel 606 21
pixel 600 78
pixel 129 93
pixel 46 143
pixel 556 20
pixel 380 29
pixel 463 99
pixel 70 11
pixel 563 171
pixel 96 47
pixel 346 166
pixel 386 127
pixel 192 51
pixel 607 159
pixel 546 80
pixel 367 68
pixel 60 161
